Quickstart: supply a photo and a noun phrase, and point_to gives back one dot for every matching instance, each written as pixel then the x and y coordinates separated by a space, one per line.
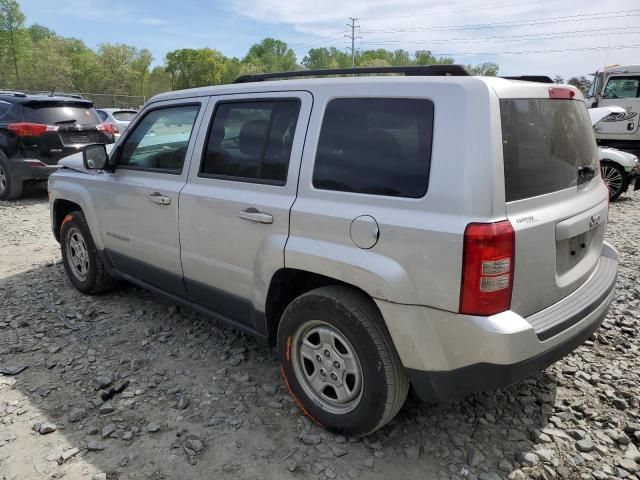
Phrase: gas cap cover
pixel 365 231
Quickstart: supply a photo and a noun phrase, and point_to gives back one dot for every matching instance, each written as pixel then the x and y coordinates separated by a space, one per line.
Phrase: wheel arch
pixel 289 283
pixel 61 208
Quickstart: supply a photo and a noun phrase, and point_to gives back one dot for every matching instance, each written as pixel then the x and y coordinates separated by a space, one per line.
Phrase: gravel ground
pixel 128 386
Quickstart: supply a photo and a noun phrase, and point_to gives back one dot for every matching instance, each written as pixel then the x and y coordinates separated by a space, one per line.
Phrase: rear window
pixel 52 114
pixel 377 146
pixel 124 116
pixel 544 143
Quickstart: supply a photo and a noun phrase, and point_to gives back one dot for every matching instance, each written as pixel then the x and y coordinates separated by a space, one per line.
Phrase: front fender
pixel 379 276
pixel 624 159
pixel 68 185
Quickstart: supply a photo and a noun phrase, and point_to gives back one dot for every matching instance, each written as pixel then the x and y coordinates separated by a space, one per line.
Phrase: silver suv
pixel 437 230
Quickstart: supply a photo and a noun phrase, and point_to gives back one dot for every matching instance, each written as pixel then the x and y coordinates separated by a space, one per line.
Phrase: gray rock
pixel 619 403
pixel 269 389
pixel 528 458
pixel 102 381
pixel 585 445
pixel 628 464
pixel 77 414
pixel 310 438
pixel 44 428
pixel 108 430
pixel 545 455
pixel 412 453
pixel 152 427
pixel 475 457
pixel 128 435
pixel 183 402
pixel 195 444
pixel 105 408
pixel 96 446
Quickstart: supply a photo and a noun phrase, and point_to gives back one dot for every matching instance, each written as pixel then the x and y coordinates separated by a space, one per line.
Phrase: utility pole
pixel 353 39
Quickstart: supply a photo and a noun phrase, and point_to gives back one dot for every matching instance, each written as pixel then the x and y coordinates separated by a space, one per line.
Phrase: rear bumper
pixel 31 169
pixel 449 356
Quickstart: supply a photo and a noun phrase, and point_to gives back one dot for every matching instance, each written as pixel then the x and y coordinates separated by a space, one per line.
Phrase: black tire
pixel 96 279
pixel 615 178
pixel 10 185
pixel 384 384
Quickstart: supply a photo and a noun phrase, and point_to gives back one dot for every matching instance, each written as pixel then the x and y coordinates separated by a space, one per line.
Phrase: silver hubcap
pixel 612 178
pixel 3 179
pixel 327 367
pixel 77 254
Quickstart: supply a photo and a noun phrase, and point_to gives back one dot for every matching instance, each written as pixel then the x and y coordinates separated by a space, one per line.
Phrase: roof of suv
pixel 504 88
pixel 18 97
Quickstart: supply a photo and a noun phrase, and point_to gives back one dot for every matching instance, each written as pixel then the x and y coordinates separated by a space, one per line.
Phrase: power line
pixel 529 52
pixel 295 45
pixel 462 10
pixel 515 38
pixel 515 23
pixel 353 38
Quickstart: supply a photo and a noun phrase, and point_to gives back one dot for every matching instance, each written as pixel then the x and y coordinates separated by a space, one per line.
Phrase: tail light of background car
pixel 487 269
pixel 26 129
pixel 108 127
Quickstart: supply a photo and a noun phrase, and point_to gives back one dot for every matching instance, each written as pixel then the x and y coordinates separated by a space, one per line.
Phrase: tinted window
pixel 251 141
pixel 160 140
pixel 124 116
pixel 4 108
pixel 380 146
pixel 53 114
pixel 103 115
pixel 544 143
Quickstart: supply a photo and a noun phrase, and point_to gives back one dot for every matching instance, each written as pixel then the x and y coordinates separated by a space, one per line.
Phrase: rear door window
pixel 57 114
pixel 251 141
pixel 4 108
pixel 124 116
pixel 545 142
pixel 377 146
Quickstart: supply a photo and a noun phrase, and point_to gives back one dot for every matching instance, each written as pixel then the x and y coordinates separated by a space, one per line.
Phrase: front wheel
pixel 615 178
pixel 339 362
pixel 80 257
pixel 10 185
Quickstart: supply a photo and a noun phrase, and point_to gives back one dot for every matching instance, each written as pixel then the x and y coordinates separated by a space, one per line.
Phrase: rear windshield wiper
pixel 71 120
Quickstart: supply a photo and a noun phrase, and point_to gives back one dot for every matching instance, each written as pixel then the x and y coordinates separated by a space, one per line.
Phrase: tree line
pixel 36 58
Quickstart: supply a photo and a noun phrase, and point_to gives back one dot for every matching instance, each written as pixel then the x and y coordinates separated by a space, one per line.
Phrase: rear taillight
pixel 108 127
pixel 487 269
pixel 26 129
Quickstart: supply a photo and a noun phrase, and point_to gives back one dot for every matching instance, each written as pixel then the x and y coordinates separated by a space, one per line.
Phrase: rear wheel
pixel 615 178
pixel 10 185
pixel 339 362
pixel 80 257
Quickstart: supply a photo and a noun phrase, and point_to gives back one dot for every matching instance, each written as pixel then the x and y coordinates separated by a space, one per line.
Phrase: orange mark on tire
pixel 288 350
pixel 68 218
pixel 298 402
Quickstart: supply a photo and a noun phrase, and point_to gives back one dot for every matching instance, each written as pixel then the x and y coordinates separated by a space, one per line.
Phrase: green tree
pixel 582 83
pixel 320 58
pixel 39 32
pixel 49 67
pixel 115 62
pixel 424 57
pixel 271 55
pixel 13 35
pixel 140 66
pixel 487 69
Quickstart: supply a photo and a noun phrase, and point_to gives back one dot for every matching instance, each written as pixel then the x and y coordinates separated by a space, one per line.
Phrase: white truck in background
pixel 617 85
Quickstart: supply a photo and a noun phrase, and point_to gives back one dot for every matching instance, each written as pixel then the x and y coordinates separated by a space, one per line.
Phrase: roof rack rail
pixel 62 94
pixel 422 70
pixel 531 78
pixel 15 94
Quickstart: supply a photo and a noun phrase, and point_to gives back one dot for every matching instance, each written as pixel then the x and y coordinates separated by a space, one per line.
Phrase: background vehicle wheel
pixel 10 186
pixel 615 178
pixel 80 256
pixel 339 362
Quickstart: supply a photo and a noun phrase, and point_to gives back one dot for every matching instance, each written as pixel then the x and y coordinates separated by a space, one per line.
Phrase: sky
pixel 535 37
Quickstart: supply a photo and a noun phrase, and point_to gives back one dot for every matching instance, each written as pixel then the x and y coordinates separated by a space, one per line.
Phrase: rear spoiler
pixel 50 102
pixel 531 78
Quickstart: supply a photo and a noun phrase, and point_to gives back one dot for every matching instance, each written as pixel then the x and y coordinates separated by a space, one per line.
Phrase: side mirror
pixel 95 157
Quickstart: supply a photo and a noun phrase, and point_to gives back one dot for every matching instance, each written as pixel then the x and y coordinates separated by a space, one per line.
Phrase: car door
pixel 234 210
pixel 621 91
pixel 138 202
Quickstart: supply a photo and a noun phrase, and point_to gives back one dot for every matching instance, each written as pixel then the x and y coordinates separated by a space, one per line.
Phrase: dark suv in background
pixel 38 130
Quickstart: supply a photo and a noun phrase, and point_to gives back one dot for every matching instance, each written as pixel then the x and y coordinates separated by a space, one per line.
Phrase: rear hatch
pixel 72 125
pixel 556 200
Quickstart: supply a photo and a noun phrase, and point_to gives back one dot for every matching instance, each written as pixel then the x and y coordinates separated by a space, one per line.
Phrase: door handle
pixel 255 215
pixel 157 197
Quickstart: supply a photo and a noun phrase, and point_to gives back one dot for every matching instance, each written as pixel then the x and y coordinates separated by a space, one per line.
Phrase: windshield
pixel 56 114
pixel 544 143
pixel 124 116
